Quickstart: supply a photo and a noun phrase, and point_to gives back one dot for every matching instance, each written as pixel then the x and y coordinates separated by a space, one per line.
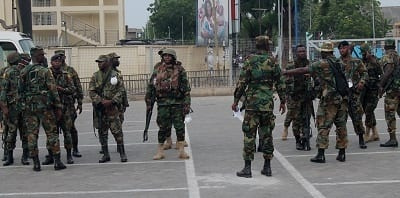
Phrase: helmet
pixel 102 58
pixel 113 55
pixel 13 58
pixel 161 50
pixel 60 52
pixel 327 47
pixel 36 49
pixel 390 42
pixel 365 47
pixel 260 40
pixel 170 52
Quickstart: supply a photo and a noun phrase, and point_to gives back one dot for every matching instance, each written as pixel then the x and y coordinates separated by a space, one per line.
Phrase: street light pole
pixel 169 32
pixel 182 29
pixel 373 24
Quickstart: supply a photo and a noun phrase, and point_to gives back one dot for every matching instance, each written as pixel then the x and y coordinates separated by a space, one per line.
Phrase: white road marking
pixel 358 183
pixel 191 179
pixel 102 191
pixel 296 174
pixel 102 164
pixel 361 153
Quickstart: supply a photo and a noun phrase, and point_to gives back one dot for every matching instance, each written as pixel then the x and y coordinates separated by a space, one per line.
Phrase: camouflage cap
pixel 36 49
pixel 113 55
pixel 260 40
pixel 61 52
pixel 365 47
pixel 102 58
pixel 57 57
pixel 13 58
pixel 327 47
pixel 170 52
pixel 390 42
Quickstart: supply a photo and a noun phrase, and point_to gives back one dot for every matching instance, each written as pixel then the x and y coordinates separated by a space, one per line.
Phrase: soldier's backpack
pixel 341 84
pixel 167 83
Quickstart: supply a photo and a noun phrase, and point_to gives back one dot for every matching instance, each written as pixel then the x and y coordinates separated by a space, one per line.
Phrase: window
pixel 44 18
pixel 43 3
pixel 6 48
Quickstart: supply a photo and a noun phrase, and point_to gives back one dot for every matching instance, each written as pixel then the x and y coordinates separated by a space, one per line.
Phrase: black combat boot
pixel 246 171
pixel 4 154
pixel 392 142
pixel 122 154
pixel 49 159
pixel 299 145
pixel 341 155
pixel 106 155
pixel 260 145
pixel 320 157
pixel 361 141
pixel 267 168
pixel 69 157
pixel 75 152
pixel 24 158
pixel 10 158
pixel 36 163
pixel 58 165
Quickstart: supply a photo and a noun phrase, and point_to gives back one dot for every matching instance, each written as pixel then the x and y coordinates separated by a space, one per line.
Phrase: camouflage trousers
pixel 49 124
pixel 66 124
pixel 369 104
pixel 356 112
pixel 290 114
pixel 264 121
pixel 110 120
pixel 74 132
pixel 15 123
pixel 391 107
pixel 167 116
pixel 327 115
pixel 296 115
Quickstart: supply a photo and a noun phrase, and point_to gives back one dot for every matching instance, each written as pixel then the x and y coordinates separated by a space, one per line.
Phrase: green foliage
pixel 166 13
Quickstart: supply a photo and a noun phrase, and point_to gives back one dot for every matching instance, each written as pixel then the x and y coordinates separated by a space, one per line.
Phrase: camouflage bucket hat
pixel 102 58
pixel 60 52
pixel 13 58
pixel 170 52
pixel 327 47
pixel 113 55
pixel 365 47
pixel 390 42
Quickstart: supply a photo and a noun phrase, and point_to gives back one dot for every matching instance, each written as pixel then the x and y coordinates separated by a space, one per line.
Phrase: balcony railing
pixel 43 3
pixel 80 27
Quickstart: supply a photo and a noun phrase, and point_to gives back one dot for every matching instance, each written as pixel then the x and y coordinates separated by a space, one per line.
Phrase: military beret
pixel 327 47
pixel 35 49
pixel 13 58
pixel 113 55
pixel 56 57
pixel 102 58
pixel 61 52
pixel 390 42
pixel 343 43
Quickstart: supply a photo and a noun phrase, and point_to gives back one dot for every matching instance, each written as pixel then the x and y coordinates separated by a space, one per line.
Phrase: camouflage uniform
pixel 390 63
pixel 5 130
pixel 66 94
pixel 297 88
pixel 78 95
pixel 14 120
pixel 356 73
pixel 40 101
pixel 107 85
pixel 369 97
pixel 169 86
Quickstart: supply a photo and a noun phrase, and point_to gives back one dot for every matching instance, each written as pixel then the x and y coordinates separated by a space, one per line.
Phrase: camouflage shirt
pixel 355 70
pixel 296 86
pixel 374 72
pixel 109 92
pixel 172 94
pixel 64 80
pixel 9 85
pixel 258 77
pixel 76 81
pixel 391 59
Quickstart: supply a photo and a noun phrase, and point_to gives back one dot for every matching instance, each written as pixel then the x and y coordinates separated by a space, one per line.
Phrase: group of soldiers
pixel 345 86
pixel 32 93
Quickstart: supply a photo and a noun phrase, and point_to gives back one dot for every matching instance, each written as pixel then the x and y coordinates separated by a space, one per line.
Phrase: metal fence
pixel 137 84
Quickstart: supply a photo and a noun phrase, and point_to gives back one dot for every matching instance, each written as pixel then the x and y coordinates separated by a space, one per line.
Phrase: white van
pixel 13 42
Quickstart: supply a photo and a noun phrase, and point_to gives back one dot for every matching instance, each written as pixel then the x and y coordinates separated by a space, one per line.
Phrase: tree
pixel 166 18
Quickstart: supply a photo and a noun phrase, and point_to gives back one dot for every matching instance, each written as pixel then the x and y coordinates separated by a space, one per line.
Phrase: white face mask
pixel 114 80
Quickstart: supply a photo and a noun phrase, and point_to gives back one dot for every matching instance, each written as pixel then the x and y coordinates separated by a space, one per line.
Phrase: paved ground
pixel 215 140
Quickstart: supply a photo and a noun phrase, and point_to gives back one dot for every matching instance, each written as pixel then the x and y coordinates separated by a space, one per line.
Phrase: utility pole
pixel 182 29
pixel 260 16
pixel 373 25
pixel 214 14
pixel 290 31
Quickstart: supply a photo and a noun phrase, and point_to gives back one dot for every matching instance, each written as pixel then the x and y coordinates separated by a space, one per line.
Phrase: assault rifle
pixel 149 112
pixel 308 113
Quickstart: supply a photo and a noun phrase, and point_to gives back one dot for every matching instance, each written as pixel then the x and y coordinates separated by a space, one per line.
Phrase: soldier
pixel 106 91
pixel 12 114
pixel 169 86
pixel 257 79
pixel 370 96
pixel 299 97
pixel 41 105
pixel 390 83
pixel 356 75
pixel 4 126
pixel 332 106
pixel 78 96
pixel 66 91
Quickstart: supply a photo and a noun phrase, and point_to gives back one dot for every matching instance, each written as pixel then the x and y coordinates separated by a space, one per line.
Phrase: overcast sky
pixel 136 13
